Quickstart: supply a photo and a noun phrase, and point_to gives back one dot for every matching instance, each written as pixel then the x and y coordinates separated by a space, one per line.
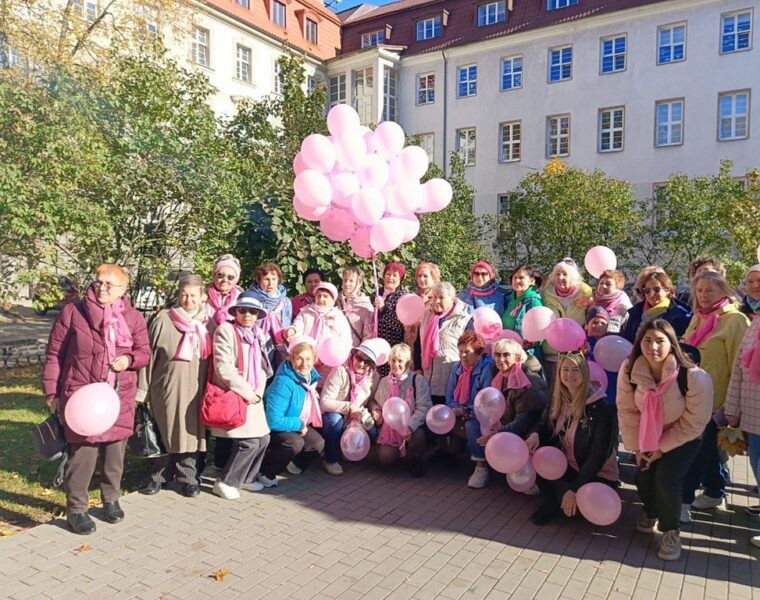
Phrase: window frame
pixel 671 26
pixel 418 88
pixel 657 103
pixel 555 4
pixel 390 74
pixel 238 48
pixel 330 102
pixel 424 136
pixel 275 5
pixel 503 61
pixel 548 138
pixel 613 38
pixel 501 11
pixel 243 3
pixel 195 44
pixel 468 82
pixel 512 142
pixel 458 148
pixel 735 14
pixel 747 115
pixel 611 130
pixel 559 49
pixel 377 33
pixel 437 26
pixel 277 77
pixel 308 26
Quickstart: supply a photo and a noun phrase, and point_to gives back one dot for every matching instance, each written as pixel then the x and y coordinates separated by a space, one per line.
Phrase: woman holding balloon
pixel 389 327
pixel 483 289
pixel 355 304
pixel 100 338
pixel 664 403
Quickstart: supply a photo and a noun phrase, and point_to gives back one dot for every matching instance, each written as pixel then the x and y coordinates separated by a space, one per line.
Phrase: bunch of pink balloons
pixel 354 443
pixel 440 419
pixel 92 409
pixel 363 186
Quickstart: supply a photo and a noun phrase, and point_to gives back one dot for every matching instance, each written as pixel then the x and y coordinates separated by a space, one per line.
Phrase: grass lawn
pixel 27 496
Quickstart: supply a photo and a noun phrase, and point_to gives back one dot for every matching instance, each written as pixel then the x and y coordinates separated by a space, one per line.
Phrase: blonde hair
pixel 435 271
pixel 512 346
pixel 562 394
pixel 401 350
pixel 115 270
pixel 717 280
pixel 572 270
pixel 299 347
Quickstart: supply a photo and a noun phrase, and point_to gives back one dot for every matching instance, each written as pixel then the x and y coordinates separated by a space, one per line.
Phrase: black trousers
pixel 180 466
pixel 553 491
pixel 286 446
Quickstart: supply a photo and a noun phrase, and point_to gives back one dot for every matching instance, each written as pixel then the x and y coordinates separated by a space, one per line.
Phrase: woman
pixel 567 296
pixel 483 289
pixel 440 329
pixel 659 301
pixel 743 402
pixel 243 343
pixel 99 338
pixel 751 301
pixel 426 274
pixel 583 426
pixel 716 330
pixel 470 375
pixel 292 407
pixel 611 296
pixel 597 326
pixel 224 290
pixel 664 403
pixel 525 281
pixel 267 288
pixel 355 304
pixel 173 384
pixel 311 278
pixel 388 326
pixel 413 389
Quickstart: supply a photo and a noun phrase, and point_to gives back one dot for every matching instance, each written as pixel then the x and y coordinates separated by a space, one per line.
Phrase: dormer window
pixel 492 13
pixel 373 38
pixel 555 4
pixel 428 28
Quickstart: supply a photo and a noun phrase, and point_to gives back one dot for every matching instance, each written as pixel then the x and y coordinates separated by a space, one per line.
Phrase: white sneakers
pixel 755 541
pixel 332 468
pixel 670 546
pixel 533 491
pixel 294 469
pixel 254 486
pixel 225 491
pixel 644 523
pixel 685 517
pixel 704 501
pixel 479 478
pixel 266 482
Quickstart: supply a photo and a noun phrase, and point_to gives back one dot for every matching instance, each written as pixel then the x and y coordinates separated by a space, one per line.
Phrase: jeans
pixel 661 485
pixel 754 456
pixel 332 429
pixel 472 429
pixel 706 470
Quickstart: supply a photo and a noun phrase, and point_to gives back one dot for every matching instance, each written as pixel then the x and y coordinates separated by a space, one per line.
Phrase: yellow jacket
pixel 720 349
pixel 576 310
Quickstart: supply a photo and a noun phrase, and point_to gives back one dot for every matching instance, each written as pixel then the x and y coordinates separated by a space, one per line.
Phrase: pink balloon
pixel 333 351
pixel 386 235
pixel 489 407
pixel 565 335
pixel 337 225
pixel 344 185
pixel 360 243
pixel 373 172
pixel 412 163
pixel 535 322
pixel 298 164
pixel 318 153
pixel 350 151
pixel 524 479
pixel 599 259
pixel 440 419
pixel 369 141
pixel 313 188
pixel 409 309
pixel 342 119
pixel 368 206
pixel 599 503
pixel 354 443
pixel 92 409
pixel 394 200
pixel 436 195
pixel 596 373
pixel 487 322
pixel 550 462
pixel 308 212
pixel 508 334
pixel 610 352
pixel 411 225
pixel 396 415
pixel 506 452
pixel 388 139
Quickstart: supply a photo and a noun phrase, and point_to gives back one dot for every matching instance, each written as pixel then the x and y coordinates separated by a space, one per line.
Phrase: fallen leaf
pixel 83 548
pixel 6 533
pixel 221 574
pixel 163 597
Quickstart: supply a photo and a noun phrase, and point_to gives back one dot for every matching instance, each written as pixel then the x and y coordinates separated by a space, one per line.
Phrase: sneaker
pixel 533 491
pixel 753 511
pixel 332 468
pixel 211 472
pixel 479 478
pixel 645 523
pixel 670 546
pixel 266 482
pixel 704 501
pixel 225 491
pixel 254 486
pixel 685 517
pixel 755 541
pixel 294 469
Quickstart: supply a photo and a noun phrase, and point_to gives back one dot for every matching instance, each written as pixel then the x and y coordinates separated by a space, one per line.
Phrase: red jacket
pixel 76 356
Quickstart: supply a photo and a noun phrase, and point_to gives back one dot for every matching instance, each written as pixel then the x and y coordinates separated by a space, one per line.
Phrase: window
pixel 671 43
pixel 557 136
pixel 337 90
pixel 491 13
pixel 243 3
pixel 311 84
pixel 466 146
pixel 88 8
pixel 555 4
pixel 278 13
pixel 363 93
pixel 669 123
pixel 510 141
pixel 467 78
pixel 390 104
pixel 428 28
pixel 560 63
pixel 733 115
pixel 612 54
pixel 735 31
pixel 243 69
pixel 277 77
pixel 311 31
pixel 611 129
pixel 427 143
pixel 511 73
pixel 426 88
pixel 373 38
pixel 200 53
pixel 149 23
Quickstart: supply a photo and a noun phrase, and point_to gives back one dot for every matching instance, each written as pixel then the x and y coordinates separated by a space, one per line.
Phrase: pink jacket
pixel 336 323
pixel 684 417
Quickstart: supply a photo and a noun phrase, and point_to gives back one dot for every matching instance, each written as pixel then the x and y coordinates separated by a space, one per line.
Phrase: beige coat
pixel 173 388
pixel 226 376
pixel 452 328
pixel 743 397
pixel 684 417
pixel 336 391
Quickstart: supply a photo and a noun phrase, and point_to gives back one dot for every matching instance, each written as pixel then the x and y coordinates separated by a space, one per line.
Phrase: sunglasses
pixel 647 291
pixel 222 277
pixel 360 358
pixel 480 274
pixel 247 311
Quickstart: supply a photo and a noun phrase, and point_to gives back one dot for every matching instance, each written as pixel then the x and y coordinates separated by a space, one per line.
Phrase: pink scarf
pixel 310 413
pixel 650 428
pixel 709 320
pixel 358 383
pixel 116 333
pixel 272 323
pixel 255 372
pixel 220 304
pixel 388 435
pixel 431 338
pixel 476 293
pixel 609 302
pixel 194 335
pixel 751 359
pixel 565 294
pixel 319 323
pixel 516 378
pixel 462 389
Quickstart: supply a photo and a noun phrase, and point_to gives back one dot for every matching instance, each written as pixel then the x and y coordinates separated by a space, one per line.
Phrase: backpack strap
pixel 683 380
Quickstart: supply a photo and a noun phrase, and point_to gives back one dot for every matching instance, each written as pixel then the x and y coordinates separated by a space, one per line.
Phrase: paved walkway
pixel 375 535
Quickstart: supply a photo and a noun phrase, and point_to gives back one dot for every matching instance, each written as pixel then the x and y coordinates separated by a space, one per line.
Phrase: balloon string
pixel 377 295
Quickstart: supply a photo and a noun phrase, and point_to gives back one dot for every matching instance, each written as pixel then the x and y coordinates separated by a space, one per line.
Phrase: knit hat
pixel 301 339
pixel 248 300
pixel 483 264
pixel 398 267
pixel 752 269
pixel 329 288
pixel 229 261
pixel 376 349
pixel 597 311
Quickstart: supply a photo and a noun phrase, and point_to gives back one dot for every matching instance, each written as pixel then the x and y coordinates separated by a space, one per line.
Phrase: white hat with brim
pixel 376 349
pixel 248 300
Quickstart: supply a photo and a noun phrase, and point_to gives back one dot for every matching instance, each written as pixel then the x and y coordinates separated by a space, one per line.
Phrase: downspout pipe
pixel 445 112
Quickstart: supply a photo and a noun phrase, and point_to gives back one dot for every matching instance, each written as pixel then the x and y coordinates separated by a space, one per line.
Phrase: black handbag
pixel 145 442
pixel 48 440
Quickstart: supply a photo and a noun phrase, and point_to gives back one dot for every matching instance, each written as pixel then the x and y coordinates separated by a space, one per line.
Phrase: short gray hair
pixel 444 288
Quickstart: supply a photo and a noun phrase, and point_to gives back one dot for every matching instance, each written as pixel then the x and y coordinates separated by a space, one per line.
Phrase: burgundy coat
pixel 76 356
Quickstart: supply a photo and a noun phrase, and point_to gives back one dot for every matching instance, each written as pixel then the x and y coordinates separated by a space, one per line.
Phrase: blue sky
pixel 345 4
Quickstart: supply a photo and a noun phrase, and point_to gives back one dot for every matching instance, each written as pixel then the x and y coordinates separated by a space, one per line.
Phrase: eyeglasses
pixel 222 277
pixel 502 354
pixel 646 291
pixel 247 311
pixel 107 285
pixel 480 274
pixel 360 358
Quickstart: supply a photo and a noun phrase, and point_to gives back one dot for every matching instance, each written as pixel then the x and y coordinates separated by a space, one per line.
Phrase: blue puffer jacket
pixel 480 378
pixel 678 315
pixel 283 400
pixel 495 299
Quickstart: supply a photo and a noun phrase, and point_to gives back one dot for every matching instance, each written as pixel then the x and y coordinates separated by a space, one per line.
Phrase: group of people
pixel 694 369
